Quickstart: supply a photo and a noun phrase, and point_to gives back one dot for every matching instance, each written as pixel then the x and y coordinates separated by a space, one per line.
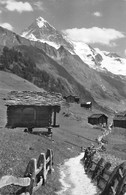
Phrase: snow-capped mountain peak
pixel 41 22
pixel 40 30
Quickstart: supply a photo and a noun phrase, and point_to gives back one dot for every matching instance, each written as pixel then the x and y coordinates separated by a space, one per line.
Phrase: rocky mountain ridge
pixel 59 70
pixel 41 30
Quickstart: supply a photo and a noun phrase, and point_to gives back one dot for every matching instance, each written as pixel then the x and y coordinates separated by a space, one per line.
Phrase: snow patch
pixel 33 38
pixel 56 46
pixel 74 180
pixel 84 52
pixel 25 33
pixel 40 22
pixel 115 65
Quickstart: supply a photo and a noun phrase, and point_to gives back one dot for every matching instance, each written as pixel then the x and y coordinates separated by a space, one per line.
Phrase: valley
pixel 42 58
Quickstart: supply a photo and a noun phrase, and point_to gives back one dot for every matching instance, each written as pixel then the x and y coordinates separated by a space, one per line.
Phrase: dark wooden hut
pixel 72 99
pixel 119 121
pixel 32 109
pixel 87 105
pixel 98 119
pixel 77 99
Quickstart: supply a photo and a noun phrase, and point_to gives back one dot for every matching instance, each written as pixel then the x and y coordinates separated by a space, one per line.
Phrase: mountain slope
pixel 34 65
pixel 40 30
pixel 58 70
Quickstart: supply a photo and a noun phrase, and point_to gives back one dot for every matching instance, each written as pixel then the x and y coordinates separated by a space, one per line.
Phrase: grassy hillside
pixel 17 147
pixel 10 82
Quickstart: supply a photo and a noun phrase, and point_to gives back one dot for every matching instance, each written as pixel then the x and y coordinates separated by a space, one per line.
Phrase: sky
pixel 100 23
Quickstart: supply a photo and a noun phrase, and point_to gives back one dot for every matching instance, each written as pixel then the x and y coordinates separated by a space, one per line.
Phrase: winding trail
pixel 74 180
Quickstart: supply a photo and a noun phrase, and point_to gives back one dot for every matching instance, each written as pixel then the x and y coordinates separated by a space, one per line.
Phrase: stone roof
pixel 121 113
pixel 33 98
pixel 97 116
pixel 120 118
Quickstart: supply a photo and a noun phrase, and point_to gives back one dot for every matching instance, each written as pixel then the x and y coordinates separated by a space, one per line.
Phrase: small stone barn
pixel 32 109
pixel 119 121
pixel 98 119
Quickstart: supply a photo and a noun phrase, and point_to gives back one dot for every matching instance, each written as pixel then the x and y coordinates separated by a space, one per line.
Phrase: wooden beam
pixel 35 188
pixel 30 171
pixel 54 119
pixel 9 180
pixel 113 190
pixel 42 163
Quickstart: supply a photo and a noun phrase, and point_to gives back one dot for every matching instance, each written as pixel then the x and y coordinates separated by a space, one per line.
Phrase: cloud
pixel 94 35
pixel 97 14
pixel 7 26
pixel 19 6
pixel 39 5
pixel 125 52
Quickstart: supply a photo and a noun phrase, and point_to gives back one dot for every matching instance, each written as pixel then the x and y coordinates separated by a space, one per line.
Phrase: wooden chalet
pixel 77 99
pixel 98 119
pixel 32 109
pixel 119 120
pixel 72 99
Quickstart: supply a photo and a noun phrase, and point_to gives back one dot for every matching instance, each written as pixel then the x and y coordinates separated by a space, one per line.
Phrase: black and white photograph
pixel 62 97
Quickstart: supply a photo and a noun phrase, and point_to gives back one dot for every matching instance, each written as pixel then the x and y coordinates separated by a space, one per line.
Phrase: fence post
pixel 102 171
pixel 35 175
pixel 121 186
pixel 97 168
pixel 42 162
pixel 30 172
pixel 49 155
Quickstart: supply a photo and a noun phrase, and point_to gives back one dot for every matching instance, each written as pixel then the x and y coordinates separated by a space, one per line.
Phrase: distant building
pixel 32 109
pixel 77 99
pixel 72 99
pixel 119 121
pixel 98 119
pixel 87 105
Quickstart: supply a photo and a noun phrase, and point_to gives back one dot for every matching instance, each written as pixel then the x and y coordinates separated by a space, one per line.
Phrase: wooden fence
pixel 109 182
pixel 34 177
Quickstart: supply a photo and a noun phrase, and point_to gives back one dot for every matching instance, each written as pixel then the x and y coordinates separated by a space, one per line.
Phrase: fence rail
pixel 34 177
pixel 109 182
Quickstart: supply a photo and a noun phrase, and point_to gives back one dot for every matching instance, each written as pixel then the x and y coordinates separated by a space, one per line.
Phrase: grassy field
pixel 17 147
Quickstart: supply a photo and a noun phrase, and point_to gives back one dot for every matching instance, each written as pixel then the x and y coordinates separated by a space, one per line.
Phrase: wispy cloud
pixel 7 26
pixel 97 14
pixel 94 35
pixel 39 5
pixel 19 6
